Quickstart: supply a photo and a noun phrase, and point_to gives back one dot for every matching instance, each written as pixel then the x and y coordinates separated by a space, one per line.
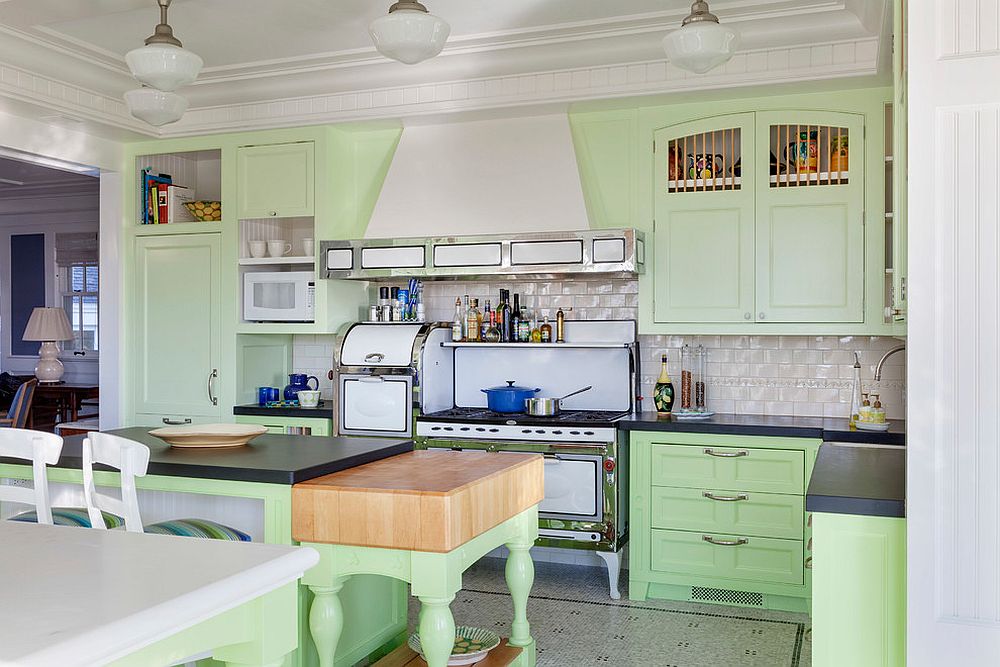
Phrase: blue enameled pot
pixel 509 398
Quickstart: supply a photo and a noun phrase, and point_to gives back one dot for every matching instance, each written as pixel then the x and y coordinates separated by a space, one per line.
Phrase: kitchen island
pixel 250 489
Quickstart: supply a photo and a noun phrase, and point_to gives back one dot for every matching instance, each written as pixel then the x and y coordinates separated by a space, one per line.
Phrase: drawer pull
pixel 724 543
pixel 809 563
pixel 727 455
pixel 175 422
pixel 725 499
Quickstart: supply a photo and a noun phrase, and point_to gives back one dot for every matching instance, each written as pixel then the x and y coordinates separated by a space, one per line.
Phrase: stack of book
pixel 162 201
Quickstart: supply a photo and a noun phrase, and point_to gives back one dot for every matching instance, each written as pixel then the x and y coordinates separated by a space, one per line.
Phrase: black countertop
pixel 271 459
pixel 825 428
pixel 852 479
pixel 322 411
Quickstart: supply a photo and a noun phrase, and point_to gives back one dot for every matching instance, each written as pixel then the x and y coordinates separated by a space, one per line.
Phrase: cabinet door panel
pixel 276 181
pixel 704 243
pixel 727 556
pixel 727 511
pixel 810 219
pixel 177 334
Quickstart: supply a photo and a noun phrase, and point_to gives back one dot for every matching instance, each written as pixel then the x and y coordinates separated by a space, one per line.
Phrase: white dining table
pixel 76 596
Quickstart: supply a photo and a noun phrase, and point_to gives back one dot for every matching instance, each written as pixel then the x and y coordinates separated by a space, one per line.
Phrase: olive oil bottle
pixel 663 391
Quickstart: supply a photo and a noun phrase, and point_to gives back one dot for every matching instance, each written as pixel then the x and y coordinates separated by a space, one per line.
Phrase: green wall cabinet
pixel 859 587
pixel 759 220
pixel 276 181
pixel 176 336
pixel 720 519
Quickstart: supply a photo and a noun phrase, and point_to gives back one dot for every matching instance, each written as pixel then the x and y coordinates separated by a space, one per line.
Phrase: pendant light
pixel 162 66
pixel 701 43
pixel 409 33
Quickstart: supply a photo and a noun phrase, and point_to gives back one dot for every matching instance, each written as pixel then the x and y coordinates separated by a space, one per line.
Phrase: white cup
pixel 278 248
pixel 258 248
pixel 308 247
pixel 308 398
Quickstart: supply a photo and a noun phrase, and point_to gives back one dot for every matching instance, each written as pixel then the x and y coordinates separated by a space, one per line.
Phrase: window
pixel 79 281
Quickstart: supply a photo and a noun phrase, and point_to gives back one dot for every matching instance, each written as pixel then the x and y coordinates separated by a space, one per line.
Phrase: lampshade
pixel 408 33
pixel 155 106
pixel 48 324
pixel 165 67
pixel 701 43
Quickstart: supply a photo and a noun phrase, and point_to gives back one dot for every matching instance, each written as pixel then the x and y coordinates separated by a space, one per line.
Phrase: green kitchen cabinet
pixel 276 181
pixel 810 227
pixel 859 591
pixel 720 519
pixel 176 334
pixel 704 227
pixel 277 425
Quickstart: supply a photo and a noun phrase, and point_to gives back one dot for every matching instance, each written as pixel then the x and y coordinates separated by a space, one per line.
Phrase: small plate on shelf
pixel 872 426
pixel 209 435
pixel 693 415
pixel 471 645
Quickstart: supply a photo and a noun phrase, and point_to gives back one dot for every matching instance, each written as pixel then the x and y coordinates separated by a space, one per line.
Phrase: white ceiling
pixel 19 178
pixel 266 50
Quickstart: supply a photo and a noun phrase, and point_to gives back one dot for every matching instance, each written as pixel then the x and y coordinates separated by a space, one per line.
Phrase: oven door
pixel 573 488
pixel 380 405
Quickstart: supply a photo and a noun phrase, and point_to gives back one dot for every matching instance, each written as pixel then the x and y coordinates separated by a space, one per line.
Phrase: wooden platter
pixel 420 501
pixel 209 435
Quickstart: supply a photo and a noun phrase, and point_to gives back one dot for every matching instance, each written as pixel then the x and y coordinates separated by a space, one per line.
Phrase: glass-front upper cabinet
pixel 810 217
pixel 704 220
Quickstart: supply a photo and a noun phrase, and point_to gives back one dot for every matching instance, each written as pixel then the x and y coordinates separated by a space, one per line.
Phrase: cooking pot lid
pixel 512 387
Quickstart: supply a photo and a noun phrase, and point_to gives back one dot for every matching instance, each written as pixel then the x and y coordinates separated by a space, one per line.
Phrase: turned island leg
pixel 326 619
pixel 437 629
pixel 520 575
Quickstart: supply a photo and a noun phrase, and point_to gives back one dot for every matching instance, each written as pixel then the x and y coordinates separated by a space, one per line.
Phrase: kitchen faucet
pixel 878 367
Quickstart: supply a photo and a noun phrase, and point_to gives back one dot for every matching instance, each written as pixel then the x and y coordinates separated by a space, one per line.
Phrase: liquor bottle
pixel 536 332
pixel 546 331
pixel 487 314
pixel 513 335
pixel 465 325
pixel 560 326
pixel 456 323
pixel 492 333
pixel 503 316
pixel 524 325
pixel 474 322
pixel 663 390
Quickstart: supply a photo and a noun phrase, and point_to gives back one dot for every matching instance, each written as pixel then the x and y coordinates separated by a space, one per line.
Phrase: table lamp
pixel 48 325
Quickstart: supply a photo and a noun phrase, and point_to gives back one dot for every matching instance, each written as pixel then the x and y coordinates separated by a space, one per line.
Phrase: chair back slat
pixel 41 449
pixel 131 459
pixel 20 407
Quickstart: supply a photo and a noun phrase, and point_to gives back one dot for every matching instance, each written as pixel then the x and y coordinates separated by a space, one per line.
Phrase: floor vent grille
pixel 742 598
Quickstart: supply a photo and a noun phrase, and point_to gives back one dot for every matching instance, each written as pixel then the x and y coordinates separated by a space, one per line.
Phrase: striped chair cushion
pixel 197 528
pixel 71 516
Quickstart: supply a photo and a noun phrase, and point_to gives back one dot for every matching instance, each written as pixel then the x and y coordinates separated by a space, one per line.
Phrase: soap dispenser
pixel 865 414
pixel 878 412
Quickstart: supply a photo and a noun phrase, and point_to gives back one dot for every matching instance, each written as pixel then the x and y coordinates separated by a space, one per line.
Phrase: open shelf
pixel 258 261
pixel 529 346
pixel 199 172
pixel 178 228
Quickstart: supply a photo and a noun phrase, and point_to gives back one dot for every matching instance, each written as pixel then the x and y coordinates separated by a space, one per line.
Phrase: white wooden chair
pixel 41 449
pixel 131 459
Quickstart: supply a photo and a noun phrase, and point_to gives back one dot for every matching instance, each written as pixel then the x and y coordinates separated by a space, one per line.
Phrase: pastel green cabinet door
pixel 276 181
pixel 727 511
pixel 727 556
pixel 177 327
pixel 737 468
pixel 859 591
pixel 810 218
pixel 704 225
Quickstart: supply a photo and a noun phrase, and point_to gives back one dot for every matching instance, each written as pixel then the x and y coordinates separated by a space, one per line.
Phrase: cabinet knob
pixel 760 315
pixel 747 315
pixel 272 213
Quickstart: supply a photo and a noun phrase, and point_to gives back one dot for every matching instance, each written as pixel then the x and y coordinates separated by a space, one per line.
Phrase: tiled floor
pixel 575 623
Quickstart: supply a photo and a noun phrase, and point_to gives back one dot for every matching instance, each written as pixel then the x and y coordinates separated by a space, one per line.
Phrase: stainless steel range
pixel 586 467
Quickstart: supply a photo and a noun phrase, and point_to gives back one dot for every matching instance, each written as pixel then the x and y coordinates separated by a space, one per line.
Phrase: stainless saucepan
pixel 546 406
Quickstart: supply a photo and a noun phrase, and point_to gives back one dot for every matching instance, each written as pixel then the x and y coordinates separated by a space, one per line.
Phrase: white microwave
pixel 279 296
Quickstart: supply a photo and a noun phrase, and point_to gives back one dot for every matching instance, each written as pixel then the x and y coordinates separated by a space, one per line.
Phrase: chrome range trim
pixel 605 252
pixel 584 434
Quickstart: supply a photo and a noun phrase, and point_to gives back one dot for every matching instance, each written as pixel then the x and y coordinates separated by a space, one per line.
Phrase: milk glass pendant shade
pixel 701 43
pixel 409 33
pixel 155 106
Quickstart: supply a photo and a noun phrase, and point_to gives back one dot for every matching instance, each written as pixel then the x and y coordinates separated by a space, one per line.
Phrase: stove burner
pixel 489 417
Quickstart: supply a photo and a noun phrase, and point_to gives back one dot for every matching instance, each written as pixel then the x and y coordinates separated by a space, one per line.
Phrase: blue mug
pixel 267 395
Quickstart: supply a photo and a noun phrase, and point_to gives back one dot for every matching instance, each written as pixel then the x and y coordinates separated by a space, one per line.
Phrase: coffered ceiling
pixel 271 63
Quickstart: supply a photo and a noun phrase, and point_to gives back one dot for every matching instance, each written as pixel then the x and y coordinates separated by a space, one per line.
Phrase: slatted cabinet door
pixel 810 217
pixel 704 220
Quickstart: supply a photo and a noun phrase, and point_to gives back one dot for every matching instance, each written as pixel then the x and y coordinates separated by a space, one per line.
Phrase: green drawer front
pixel 754 559
pixel 744 468
pixel 741 512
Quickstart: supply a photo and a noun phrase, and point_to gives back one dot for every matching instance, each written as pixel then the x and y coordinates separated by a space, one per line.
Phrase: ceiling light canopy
pixel 409 33
pixel 701 43
pixel 164 66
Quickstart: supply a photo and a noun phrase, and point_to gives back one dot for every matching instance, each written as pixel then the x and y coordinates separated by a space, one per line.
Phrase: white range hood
pixel 481 177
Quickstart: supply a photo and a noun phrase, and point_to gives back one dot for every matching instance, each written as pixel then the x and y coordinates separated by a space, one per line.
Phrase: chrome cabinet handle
pixel 726 455
pixel 809 563
pixel 375 356
pixel 724 543
pixel 175 422
pixel 725 499
pixel 211 386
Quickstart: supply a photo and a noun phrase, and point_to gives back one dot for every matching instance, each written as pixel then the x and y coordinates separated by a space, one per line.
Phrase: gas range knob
pixel 448 428
pixel 480 429
pixel 464 428
pixel 494 430
pixel 525 430
pixel 556 432
pixel 588 433
pixel 538 430
pixel 574 433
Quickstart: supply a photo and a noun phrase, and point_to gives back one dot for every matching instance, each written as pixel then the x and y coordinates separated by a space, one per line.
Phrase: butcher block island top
pixel 431 501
